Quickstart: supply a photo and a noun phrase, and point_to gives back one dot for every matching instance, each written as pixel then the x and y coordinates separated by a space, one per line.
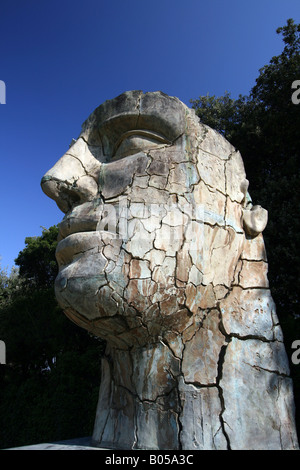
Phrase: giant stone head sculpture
pixel 161 254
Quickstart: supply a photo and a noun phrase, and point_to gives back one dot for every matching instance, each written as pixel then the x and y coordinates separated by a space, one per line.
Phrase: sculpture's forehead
pixel 153 111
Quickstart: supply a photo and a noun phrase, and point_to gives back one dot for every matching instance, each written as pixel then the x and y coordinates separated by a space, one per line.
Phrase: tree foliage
pixel 8 284
pixel 49 387
pixel 37 260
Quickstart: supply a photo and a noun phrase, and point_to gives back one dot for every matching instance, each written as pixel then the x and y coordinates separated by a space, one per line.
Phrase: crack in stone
pixel 221 395
pixel 271 371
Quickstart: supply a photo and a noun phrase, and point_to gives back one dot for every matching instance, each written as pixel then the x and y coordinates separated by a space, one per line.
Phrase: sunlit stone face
pixel 153 225
pixel 161 254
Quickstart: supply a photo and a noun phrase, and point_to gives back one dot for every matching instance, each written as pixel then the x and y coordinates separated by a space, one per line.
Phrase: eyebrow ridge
pixel 141 132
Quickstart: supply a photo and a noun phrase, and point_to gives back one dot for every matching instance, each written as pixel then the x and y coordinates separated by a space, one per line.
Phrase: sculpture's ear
pixel 255 220
pixel 244 189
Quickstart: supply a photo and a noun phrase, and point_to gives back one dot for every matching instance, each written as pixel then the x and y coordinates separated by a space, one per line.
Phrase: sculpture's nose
pixel 74 178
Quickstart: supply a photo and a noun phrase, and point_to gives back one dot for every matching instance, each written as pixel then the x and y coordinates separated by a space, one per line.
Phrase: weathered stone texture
pixel 201 411
pixel 258 387
pixel 161 254
pixel 202 351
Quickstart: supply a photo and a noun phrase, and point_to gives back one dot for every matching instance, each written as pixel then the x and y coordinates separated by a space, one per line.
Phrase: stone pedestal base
pixel 149 399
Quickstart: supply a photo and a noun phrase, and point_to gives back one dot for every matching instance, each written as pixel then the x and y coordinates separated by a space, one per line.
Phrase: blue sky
pixel 61 59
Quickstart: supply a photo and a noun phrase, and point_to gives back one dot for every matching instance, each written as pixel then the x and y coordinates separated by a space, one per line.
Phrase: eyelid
pixel 142 133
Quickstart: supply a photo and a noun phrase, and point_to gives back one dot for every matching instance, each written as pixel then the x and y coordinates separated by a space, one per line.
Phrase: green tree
pixel 8 284
pixel 37 260
pixel 49 387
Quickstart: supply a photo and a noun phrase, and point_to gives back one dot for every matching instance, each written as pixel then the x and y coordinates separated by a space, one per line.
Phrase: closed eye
pixel 137 140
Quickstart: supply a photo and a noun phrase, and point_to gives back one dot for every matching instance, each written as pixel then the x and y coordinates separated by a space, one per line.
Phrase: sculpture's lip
pixel 79 244
pixel 71 225
pixel 76 245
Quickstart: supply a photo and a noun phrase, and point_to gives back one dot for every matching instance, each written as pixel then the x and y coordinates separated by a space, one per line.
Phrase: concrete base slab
pixel 71 444
pixel 50 446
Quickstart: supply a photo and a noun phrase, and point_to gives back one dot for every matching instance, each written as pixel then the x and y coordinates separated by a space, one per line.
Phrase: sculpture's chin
pixel 82 282
pixel 84 291
pixel 80 294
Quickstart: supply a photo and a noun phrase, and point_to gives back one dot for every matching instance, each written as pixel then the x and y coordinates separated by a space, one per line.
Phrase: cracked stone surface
pixel 161 254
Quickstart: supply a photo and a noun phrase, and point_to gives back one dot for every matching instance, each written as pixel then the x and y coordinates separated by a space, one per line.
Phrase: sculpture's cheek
pixel 116 176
